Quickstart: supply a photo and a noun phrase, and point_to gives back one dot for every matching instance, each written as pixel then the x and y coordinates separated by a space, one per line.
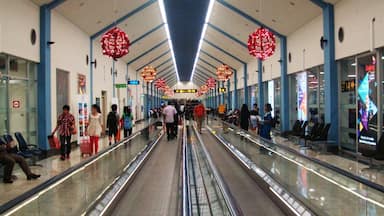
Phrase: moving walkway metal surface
pixel 323 191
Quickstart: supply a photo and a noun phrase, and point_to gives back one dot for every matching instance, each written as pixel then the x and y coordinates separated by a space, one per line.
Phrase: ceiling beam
pixel 216 59
pixel 202 73
pixel 224 51
pixel 208 73
pixel 228 35
pixel 148 51
pixel 52 5
pixel 206 62
pixel 204 68
pixel 123 18
pixel 153 60
pixel 167 68
pixel 165 62
pixel 246 16
pixel 146 34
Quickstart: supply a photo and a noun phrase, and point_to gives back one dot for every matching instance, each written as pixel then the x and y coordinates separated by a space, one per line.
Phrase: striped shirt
pixel 66 122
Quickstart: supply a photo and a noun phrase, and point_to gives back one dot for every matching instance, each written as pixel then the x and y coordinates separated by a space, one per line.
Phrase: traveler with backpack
pixel 127 120
pixel 267 122
pixel 95 128
pixel 199 114
pixel 113 124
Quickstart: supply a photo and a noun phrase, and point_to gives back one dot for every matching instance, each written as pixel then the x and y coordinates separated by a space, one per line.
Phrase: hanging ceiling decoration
pixel 262 43
pixel 115 43
pixel 224 72
pixel 160 84
pixel 148 74
pixel 204 89
pixel 211 82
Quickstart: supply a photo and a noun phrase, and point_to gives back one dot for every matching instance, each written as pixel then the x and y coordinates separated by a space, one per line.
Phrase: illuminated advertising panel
pixel 302 96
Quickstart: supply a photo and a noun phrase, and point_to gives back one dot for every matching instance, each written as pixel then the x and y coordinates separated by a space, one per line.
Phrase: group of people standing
pixel 262 125
pixel 66 127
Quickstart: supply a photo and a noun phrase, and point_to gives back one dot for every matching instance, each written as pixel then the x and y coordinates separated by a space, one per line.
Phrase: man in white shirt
pixel 169 112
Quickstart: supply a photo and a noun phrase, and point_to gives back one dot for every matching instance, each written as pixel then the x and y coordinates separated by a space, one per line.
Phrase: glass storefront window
pixel 292 82
pixel 347 101
pixel 313 93
pixel 277 102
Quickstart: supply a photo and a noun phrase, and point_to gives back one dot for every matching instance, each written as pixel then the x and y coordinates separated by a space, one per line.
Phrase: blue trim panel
pixel 153 60
pixel 44 80
pixel 228 35
pixel 246 16
pixel 148 51
pixel 121 19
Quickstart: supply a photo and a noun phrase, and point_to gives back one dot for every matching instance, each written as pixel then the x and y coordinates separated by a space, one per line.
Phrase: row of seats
pixel 318 132
pixel 28 151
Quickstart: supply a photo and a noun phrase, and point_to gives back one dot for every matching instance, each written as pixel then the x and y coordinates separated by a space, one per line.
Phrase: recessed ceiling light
pixel 351 75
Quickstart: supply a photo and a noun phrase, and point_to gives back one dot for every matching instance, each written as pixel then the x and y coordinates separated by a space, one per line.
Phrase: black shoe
pixel 7 181
pixel 62 158
pixel 33 176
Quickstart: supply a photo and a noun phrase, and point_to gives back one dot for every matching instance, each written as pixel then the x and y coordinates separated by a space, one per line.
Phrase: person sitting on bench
pixel 9 159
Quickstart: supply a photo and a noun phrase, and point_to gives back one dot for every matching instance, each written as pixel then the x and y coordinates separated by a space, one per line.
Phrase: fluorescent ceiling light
pixel 164 17
pixel 207 16
pixel 322 72
pixel 351 75
pixel 382 57
pixel 353 64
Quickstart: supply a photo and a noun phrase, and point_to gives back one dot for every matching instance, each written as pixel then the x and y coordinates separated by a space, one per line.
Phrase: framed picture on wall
pixel 81 84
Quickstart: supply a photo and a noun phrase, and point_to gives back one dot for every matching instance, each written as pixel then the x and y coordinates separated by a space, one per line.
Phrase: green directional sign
pixel 121 85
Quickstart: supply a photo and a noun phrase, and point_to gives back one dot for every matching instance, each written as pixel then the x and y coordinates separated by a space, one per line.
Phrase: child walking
pixel 95 128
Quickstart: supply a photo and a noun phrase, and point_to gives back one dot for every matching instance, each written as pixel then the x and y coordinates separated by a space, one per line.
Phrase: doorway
pixel 62 90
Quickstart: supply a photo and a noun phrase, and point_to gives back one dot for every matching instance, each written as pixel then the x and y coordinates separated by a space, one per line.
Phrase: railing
pixel 76 189
pixel 186 192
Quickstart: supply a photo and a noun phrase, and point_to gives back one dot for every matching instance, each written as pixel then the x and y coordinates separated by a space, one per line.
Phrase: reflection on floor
pixel 52 166
pixel 353 166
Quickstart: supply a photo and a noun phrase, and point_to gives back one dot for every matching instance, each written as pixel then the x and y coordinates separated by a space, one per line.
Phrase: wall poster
pixel 302 109
pixel 82 122
pixel 81 84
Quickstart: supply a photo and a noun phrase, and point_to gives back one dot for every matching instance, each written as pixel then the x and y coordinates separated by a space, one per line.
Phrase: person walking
pixel 113 124
pixel 244 117
pixel 127 120
pixel 95 128
pixel 169 113
pixel 254 113
pixel 199 114
pixel 266 123
pixel 66 127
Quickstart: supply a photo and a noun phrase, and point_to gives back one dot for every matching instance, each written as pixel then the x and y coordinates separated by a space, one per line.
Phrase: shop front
pixel 18 97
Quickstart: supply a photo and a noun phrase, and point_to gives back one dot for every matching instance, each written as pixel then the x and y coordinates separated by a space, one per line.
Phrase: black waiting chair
pixel 28 149
pixel 323 135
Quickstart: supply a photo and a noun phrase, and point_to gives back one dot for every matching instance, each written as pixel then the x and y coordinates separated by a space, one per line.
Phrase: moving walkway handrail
pixel 186 190
pixel 314 160
pixel 44 187
pixel 229 199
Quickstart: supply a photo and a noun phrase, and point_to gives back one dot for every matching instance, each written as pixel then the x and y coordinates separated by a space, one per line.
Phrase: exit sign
pixel 121 85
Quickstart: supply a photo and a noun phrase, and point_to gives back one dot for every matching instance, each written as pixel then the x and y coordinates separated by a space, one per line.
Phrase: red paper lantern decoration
pixel 148 74
pixel 115 43
pixel 224 72
pixel 262 43
pixel 211 82
pixel 160 84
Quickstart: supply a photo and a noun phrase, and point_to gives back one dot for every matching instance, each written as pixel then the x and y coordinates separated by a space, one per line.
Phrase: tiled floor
pixel 52 166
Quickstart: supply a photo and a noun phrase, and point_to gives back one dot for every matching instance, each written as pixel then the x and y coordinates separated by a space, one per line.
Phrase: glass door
pixel 3 96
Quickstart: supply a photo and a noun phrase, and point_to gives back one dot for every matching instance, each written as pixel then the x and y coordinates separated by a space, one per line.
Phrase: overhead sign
pixel 16 104
pixel 121 85
pixel 185 90
pixel 222 89
pixel 133 82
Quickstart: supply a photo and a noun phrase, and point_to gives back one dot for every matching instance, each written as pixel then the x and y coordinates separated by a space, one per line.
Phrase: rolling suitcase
pixel 85 147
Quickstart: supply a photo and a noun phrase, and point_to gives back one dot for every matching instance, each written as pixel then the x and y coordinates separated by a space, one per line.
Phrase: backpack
pixel 112 120
pixel 127 121
pixel 200 111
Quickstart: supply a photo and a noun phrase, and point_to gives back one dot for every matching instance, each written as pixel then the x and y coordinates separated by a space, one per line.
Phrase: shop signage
pixel 121 85
pixel 185 90
pixel 133 82
pixel 348 85
pixel 222 90
pixel 16 104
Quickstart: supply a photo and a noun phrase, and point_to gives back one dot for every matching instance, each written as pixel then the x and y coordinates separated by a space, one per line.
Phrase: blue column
pixel 246 84
pixel 151 100
pixel 146 101
pixel 229 94
pixel 91 70
pixel 235 90
pixel 284 88
pixel 128 88
pixel 223 94
pixel 216 97
pixel 113 78
pixel 330 78
pixel 261 89
pixel 44 80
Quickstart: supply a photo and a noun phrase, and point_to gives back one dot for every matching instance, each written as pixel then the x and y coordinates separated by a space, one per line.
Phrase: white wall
pixel 17 19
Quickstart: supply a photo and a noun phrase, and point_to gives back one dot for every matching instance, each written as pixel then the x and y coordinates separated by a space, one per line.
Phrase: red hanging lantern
pixel 211 82
pixel 224 72
pixel 204 89
pixel 148 74
pixel 115 43
pixel 262 43
pixel 160 84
